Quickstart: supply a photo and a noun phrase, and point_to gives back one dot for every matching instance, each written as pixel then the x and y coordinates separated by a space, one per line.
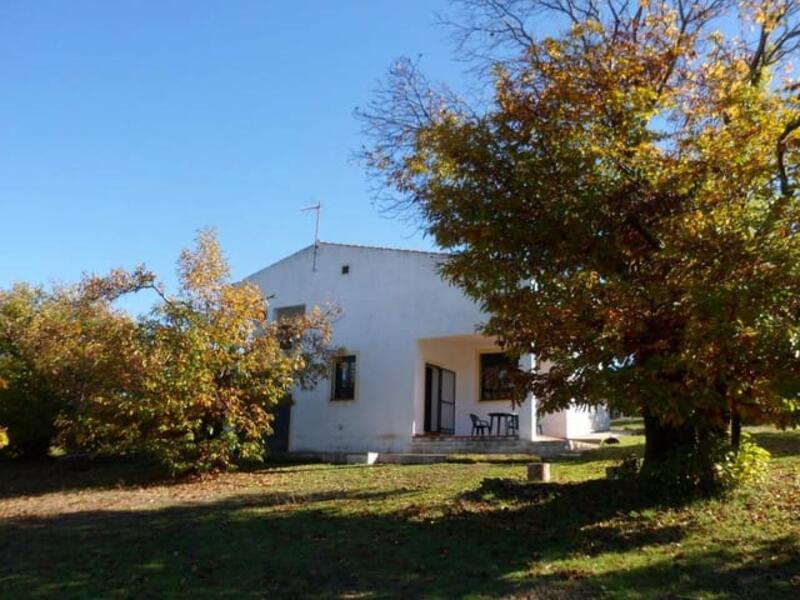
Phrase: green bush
pixel 715 468
pixel 745 467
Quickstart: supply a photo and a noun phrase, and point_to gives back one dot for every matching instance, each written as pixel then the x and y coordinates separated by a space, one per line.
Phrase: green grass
pixel 113 530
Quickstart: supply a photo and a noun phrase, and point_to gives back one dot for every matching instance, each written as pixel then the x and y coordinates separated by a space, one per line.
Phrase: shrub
pixel 717 469
pixel 745 467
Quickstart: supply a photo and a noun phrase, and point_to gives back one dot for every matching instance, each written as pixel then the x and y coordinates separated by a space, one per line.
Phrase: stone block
pixel 539 472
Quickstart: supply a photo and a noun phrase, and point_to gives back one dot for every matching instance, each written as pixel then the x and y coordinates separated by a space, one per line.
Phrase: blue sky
pixel 126 126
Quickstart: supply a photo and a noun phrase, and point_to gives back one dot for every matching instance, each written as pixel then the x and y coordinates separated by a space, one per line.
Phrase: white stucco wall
pixel 582 420
pixel 575 422
pixel 555 424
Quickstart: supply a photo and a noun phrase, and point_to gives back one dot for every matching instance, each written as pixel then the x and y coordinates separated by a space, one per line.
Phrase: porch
pixel 461 398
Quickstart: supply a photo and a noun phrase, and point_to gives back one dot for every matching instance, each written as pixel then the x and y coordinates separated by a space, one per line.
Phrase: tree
pixel 192 384
pixel 56 351
pixel 625 205
pixel 27 411
pixel 212 367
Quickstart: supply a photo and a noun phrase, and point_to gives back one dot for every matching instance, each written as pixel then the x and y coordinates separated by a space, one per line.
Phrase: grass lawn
pixel 452 530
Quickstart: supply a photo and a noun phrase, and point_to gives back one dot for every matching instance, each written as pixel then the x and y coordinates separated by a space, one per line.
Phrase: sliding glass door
pixel 440 400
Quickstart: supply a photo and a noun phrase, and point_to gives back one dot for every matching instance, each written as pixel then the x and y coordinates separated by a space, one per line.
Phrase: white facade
pixel 396 316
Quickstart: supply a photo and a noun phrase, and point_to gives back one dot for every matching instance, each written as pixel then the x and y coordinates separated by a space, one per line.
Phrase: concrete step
pixel 488 446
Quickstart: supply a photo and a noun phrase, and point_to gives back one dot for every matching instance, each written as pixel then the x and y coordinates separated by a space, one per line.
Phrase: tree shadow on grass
pixel 769 570
pixel 36 477
pixel 575 516
pixel 253 546
pixel 335 544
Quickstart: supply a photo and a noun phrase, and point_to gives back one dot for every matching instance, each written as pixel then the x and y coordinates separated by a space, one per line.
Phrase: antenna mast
pixel 318 208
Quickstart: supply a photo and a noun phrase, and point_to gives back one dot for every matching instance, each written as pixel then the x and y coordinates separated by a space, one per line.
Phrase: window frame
pixel 479 377
pixel 277 317
pixel 332 379
pixel 282 321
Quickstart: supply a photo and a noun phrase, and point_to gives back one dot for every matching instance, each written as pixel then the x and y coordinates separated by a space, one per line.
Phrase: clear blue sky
pixel 127 125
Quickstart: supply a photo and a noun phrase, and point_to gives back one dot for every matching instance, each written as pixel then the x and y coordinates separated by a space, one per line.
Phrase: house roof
pixel 388 248
pixel 356 246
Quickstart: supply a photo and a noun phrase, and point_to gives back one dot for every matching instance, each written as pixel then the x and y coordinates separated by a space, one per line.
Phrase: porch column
pixel 527 410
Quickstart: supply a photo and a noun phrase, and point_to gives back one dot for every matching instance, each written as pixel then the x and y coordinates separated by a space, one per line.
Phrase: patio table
pixel 501 418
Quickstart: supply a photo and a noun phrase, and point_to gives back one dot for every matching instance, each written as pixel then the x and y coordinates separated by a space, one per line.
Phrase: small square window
pixel 343 386
pixel 345 269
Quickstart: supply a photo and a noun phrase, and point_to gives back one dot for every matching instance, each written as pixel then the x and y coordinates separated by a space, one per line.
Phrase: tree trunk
pixel 736 429
pixel 694 443
pixel 662 439
pixel 707 440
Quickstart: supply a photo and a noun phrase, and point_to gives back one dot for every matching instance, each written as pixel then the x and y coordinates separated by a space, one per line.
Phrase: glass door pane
pixel 447 402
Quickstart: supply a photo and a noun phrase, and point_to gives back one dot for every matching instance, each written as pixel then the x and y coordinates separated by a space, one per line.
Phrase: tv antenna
pixel 318 208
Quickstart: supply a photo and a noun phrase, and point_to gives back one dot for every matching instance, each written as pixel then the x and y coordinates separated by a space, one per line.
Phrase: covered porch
pixel 460 393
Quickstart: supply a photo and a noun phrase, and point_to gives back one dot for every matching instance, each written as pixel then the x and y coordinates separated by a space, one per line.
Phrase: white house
pixel 413 365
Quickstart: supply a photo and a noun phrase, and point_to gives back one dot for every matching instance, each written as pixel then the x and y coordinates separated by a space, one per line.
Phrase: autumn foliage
pixel 625 205
pixel 192 383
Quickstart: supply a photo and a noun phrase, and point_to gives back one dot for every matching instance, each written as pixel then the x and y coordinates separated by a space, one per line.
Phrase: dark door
pixel 440 400
pixel 279 440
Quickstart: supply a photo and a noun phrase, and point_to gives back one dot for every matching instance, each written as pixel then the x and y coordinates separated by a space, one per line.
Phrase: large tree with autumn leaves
pixel 624 204
pixel 192 384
